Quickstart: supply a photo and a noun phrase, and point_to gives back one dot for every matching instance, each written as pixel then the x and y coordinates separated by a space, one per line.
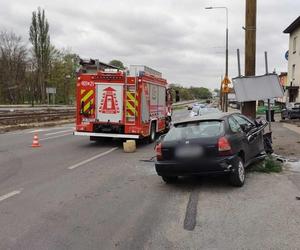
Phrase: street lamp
pixel 66 93
pixel 226 57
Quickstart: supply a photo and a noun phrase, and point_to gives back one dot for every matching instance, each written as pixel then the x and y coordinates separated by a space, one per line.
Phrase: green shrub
pixel 269 165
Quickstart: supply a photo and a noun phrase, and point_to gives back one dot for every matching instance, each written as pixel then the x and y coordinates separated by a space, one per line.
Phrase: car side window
pixel 234 126
pixel 242 121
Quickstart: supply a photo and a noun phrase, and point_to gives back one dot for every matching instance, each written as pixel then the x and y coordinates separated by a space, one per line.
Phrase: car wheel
pixel 237 176
pixel 169 179
pixel 152 133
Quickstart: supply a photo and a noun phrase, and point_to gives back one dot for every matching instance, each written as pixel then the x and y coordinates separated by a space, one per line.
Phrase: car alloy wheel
pixel 241 171
pixel 237 176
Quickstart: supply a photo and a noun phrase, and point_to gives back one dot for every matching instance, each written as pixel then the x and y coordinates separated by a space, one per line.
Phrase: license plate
pixel 189 152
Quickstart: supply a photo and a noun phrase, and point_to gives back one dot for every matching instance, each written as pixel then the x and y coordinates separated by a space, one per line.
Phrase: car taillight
pixel 158 152
pixel 224 146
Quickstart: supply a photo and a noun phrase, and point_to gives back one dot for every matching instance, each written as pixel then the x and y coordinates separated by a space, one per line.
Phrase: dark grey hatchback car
pixel 210 144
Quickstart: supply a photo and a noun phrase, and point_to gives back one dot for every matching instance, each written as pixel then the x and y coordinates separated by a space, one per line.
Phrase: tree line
pixel 26 72
pixel 190 93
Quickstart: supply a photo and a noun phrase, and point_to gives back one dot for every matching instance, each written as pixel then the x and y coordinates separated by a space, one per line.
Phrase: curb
pixel 4 129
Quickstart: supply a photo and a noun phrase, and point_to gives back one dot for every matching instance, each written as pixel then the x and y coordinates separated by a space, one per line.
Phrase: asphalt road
pixel 75 194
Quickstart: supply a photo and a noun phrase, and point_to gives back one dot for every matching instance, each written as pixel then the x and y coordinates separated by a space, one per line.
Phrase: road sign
pixel 225 83
pixel 225 89
pixel 51 90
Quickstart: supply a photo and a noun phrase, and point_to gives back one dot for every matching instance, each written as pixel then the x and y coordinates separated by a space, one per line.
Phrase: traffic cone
pixel 35 142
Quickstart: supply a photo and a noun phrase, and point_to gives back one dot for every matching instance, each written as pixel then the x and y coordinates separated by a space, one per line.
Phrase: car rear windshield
pixel 194 130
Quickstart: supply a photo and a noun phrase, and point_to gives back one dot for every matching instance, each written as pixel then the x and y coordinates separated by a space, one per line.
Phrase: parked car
pixel 190 106
pixel 197 104
pixel 210 144
pixel 203 110
pixel 291 111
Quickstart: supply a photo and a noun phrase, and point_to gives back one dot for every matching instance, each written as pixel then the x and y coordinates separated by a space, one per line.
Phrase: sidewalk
pixel 286 139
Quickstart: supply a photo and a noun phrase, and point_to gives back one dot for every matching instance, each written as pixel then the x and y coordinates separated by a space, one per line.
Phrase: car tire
pixel 169 179
pixel 152 135
pixel 237 176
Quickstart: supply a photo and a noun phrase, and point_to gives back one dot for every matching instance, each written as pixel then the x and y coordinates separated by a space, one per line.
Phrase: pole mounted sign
pixel 50 90
pixel 253 88
pixel 225 84
pixel 286 55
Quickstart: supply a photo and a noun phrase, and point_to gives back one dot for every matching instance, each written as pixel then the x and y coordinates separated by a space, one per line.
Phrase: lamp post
pixel 225 107
pixel 66 88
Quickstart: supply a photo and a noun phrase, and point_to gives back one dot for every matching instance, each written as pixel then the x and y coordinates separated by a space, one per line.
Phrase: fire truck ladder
pixel 131 102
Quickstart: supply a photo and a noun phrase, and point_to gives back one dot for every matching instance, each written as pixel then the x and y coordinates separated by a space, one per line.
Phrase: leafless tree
pixel 13 54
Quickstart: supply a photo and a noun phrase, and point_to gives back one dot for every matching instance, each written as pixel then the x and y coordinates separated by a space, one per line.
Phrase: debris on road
pixel 152 159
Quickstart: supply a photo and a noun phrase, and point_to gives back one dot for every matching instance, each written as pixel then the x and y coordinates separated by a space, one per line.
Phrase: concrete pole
pixel 269 104
pixel 221 94
pixel 226 63
pixel 238 62
pixel 249 108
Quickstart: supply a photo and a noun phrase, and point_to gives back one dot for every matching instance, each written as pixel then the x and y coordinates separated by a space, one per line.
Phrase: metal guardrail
pixel 183 103
pixel 12 118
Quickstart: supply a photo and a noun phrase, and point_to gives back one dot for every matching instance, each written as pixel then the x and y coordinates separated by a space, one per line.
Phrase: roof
pixel 294 25
pixel 210 116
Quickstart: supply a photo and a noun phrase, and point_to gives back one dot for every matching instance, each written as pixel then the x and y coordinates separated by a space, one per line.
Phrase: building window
pixel 294 45
pixel 293 72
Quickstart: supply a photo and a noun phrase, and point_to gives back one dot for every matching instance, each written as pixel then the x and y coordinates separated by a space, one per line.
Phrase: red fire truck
pixel 133 103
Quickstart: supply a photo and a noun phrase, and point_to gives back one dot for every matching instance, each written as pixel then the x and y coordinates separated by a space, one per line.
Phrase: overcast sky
pixel 177 37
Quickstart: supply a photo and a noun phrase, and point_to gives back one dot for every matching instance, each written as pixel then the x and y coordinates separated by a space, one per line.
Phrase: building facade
pixel 293 77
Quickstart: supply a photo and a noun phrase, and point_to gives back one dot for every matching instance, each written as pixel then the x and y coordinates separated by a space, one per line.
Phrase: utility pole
pixel 249 108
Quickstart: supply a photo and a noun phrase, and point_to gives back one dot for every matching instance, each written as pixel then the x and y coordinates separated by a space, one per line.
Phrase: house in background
pixel 293 77
pixel 283 79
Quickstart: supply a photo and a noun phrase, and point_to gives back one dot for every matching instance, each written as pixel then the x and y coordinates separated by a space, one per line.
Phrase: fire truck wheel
pixel 93 138
pixel 152 133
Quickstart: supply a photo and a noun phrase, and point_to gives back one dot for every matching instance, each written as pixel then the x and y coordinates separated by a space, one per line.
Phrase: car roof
pixel 207 117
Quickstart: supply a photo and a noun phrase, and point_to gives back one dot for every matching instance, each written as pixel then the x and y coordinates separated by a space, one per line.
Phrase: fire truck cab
pixel 133 103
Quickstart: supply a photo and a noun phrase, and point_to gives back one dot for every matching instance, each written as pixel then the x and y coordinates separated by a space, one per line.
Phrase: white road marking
pixel 92 158
pixel 59 132
pixel 11 194
pixel 52 137
pixel 12 133
pixel 34 131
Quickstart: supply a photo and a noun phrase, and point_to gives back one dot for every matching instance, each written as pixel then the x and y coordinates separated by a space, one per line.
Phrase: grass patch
pixel 177 107
pixel 269 165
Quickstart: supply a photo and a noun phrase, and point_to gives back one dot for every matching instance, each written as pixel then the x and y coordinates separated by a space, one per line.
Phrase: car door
pixel 255 140
pixel 238 139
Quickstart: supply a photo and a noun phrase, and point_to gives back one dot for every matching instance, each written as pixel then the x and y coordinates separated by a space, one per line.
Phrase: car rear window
pixel 194 130
pixel 195 109
pixel 209 110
